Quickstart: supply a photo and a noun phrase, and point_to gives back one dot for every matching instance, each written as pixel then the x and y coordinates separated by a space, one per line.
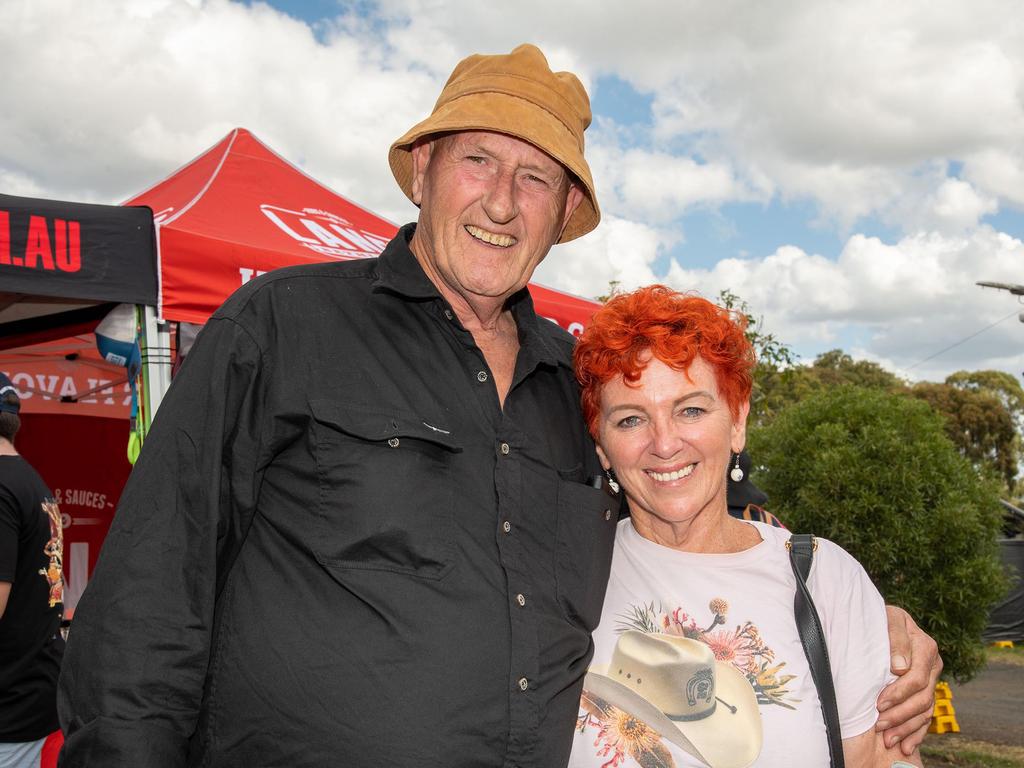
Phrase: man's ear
pixel 421 151
pixel 572 202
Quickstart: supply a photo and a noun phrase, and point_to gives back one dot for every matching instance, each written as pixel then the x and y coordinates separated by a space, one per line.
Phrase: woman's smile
pixel 670 475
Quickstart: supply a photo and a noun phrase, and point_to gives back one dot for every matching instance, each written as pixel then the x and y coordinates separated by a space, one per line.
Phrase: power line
pixel 963 340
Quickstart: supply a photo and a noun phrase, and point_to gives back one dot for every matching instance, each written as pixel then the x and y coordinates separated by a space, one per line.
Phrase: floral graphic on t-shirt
pixel 54 549
pixel 742 646
pixel 621 735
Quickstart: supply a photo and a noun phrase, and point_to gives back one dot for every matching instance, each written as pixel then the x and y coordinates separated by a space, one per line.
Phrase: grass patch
pixel 1013 655
pixel 950 749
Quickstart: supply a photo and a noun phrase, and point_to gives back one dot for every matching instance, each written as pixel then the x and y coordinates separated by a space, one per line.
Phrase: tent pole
pixel 155 341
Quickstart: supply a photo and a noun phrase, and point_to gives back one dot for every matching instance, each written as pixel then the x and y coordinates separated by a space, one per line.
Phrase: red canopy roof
pixel 240 209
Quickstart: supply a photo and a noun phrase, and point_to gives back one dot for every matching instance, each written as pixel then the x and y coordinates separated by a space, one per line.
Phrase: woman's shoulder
pixel 827 553
pixel 832 557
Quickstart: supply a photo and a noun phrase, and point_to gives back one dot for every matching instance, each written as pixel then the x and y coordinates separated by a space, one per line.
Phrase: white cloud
pixel 931 201
pixel 956 205
pixel 658 187
pixel 118 94
pixel 841 104
pixel 618 250
pixel 836 103
pixel 1000 171
pixel 906 300
pixel 15 183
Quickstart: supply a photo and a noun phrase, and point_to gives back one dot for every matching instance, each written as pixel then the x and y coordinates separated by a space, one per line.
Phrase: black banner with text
pixel 77 250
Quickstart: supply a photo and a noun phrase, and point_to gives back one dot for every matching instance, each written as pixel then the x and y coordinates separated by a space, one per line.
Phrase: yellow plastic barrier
pixel 943 716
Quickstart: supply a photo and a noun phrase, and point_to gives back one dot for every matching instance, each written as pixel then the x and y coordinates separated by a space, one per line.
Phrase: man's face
pixel 491 206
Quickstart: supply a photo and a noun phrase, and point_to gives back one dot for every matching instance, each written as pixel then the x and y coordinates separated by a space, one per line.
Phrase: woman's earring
pixel 736 474
pixel 613 483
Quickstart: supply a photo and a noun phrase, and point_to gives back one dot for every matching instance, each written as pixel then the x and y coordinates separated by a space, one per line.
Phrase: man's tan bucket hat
pixel 677 687
pixel 516 94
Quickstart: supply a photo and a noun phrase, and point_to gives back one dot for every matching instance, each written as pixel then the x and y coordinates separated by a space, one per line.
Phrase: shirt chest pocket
pixel 385 490
pixel 587 519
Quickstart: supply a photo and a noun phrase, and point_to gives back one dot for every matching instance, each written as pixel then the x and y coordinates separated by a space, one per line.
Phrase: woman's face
pixel 669 440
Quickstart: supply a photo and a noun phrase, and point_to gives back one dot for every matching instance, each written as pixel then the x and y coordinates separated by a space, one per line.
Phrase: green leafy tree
pixel 979 425
pixel 835 368
pixel 829 370
pixel 1007 388
pixel 874 471
pixel 1003 385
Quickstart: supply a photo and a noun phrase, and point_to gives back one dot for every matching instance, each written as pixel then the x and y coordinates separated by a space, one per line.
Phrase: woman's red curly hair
pixel 676 328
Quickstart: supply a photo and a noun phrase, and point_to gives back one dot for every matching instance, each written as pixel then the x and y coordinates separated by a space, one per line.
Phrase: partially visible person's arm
pixel 8 549
pixel 905 706
pixel 139 647
pixel 868 750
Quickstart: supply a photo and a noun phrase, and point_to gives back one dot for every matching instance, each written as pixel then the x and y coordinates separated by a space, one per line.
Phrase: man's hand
pixel 906 705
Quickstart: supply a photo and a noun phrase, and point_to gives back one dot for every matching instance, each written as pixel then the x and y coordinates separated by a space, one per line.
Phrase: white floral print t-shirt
pixel 741 605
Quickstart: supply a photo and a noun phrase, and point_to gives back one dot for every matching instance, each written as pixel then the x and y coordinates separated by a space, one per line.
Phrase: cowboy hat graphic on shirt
pixel 675 685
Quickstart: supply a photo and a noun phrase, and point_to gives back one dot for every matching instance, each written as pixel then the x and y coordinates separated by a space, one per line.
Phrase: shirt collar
pixel 534 340
pixel 399 271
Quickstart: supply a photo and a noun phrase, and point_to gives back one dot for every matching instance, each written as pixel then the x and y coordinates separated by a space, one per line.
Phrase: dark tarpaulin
pixel 1006 622
pixel 77 251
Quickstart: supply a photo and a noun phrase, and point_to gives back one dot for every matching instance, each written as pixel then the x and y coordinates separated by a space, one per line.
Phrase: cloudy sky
pixel 850 169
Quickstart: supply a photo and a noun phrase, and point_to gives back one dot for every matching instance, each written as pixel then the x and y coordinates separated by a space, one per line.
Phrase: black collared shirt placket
pixel 509 442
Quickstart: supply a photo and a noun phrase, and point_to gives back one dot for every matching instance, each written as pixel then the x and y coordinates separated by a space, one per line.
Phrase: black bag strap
pixel 801 548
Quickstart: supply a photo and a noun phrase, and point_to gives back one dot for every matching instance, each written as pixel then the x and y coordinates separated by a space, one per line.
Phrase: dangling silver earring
pixel 613 482
pixel 736 474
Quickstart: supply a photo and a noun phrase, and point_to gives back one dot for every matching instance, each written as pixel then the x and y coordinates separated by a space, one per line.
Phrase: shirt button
pixel 393 442
pixel 506 527
pixel 607 514
pixel 523 683
pixel 505 449
pixel 481 376
pixel 448 314
pixel 521 599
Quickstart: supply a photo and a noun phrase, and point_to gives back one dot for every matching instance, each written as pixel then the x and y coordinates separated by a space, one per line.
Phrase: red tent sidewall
pixel 83 461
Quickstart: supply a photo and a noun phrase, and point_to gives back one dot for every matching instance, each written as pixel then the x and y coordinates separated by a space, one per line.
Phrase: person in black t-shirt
pixel 31 598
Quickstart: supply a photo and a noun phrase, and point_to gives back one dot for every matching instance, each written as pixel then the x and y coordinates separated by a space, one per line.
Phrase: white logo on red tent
pixel 325 232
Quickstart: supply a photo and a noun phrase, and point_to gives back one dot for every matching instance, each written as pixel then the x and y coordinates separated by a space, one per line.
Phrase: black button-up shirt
pixel 338 548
